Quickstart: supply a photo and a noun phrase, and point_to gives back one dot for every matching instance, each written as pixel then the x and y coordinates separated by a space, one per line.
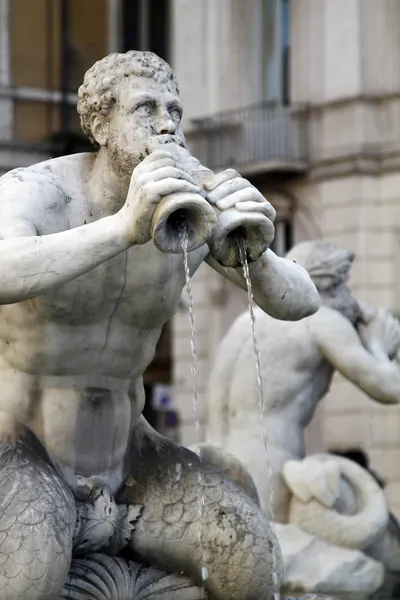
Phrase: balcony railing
pixel 260 138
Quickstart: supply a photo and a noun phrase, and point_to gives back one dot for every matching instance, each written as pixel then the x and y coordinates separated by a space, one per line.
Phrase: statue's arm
pixel 281 288
pixel 341 345
pixel 32 264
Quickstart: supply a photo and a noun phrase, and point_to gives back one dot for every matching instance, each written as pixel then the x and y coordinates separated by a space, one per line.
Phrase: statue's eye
pixel 175 114
pixel 144 109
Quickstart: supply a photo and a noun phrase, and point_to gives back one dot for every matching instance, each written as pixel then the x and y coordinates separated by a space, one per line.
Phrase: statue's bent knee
pixel 37 518
pixel 197 520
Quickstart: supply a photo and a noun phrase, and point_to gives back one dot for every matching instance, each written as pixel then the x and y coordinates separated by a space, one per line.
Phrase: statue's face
pixel 146 114
pixel 335 293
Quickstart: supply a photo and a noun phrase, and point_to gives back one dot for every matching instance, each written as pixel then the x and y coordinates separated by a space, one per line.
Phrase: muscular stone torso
pixel 71 359
pixel 291 393
pixel 291 396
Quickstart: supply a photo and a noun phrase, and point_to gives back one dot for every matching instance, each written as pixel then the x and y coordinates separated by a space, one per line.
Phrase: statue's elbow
pixel 390 396
pixel 303 306
pixel 295 310
pixel 312 303
pixel 300 298
pixel 306 300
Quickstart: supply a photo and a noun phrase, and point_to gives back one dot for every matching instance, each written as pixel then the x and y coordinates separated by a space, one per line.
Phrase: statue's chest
pixel 154 283
pixel 89 298
pixel 140 286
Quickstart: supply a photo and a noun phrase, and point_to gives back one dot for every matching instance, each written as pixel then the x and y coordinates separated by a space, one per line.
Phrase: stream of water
pixel 183 235
pixel 246 273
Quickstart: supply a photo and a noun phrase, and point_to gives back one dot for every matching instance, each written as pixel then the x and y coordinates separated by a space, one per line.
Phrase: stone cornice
pixel 346 101
pixel 357 163
pixel 345 141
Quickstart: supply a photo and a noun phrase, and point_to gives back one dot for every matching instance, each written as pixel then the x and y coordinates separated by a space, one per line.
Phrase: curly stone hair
pixel 98 92
pixel 322 258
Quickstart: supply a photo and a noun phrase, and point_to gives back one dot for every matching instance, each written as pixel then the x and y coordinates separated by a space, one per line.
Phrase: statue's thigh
pixel 37 518
pixel 198 521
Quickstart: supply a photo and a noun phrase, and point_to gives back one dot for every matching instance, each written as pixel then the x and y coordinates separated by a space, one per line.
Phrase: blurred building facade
pixel 302 97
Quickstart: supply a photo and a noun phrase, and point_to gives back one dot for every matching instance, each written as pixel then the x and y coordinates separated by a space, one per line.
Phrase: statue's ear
pixel 99 128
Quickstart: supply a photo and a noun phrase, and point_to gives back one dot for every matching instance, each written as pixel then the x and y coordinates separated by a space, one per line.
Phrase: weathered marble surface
pixel 298 360
pixel 310 564
pixel 316 563
pixel 337 500
pixel 90 271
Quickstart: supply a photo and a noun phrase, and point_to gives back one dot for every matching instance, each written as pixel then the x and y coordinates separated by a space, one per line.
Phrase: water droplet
pixel 264 436
pixel 178 472
pixel 184 238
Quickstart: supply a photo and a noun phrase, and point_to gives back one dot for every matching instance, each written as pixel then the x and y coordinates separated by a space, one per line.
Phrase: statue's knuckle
pixel 137 183
pixel 148 187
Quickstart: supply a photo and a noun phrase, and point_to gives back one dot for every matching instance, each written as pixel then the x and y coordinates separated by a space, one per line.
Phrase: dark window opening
pixel 283 239
pixel 158 378
pixel 285 52
pixel 146 26
pixel 275 23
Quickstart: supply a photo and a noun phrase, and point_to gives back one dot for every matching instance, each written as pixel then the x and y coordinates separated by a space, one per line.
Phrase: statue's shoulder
pixel 30 194
pixel 49 176
pixel 329 321
pixel 37 186
pixel 326 314
pixel 34 178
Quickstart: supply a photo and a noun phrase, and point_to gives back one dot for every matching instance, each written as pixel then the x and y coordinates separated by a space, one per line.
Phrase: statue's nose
pixel 165 124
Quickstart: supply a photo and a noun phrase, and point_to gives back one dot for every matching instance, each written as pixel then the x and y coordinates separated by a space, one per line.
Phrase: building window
pixel 87 37
pixel 275 24
pixel 283 239
pixel 146 26
pixel 284 205
pixel 285 51
pixel 65 38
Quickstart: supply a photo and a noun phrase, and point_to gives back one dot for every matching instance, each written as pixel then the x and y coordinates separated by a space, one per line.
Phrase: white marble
pixel 91 269
pixel 312 565
pixel 84 290
pixel 336 500
pixel 298 360
pixel 323 510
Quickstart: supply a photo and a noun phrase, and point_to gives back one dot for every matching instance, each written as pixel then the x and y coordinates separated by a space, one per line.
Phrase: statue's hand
pixel 160 174
pixel 235 197
pixel 380 332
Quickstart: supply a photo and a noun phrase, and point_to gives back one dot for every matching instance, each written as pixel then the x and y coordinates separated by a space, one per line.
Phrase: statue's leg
pixel 37 518
pixel 230 465
pixel 232 538
pixel 101 577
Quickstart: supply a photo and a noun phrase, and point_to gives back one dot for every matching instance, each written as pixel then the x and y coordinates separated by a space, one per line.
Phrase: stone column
pixel 6 103
pixel 114 10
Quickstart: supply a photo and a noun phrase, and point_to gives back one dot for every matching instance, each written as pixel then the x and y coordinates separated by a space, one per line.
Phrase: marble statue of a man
pixel 298 362
pixel 84 294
